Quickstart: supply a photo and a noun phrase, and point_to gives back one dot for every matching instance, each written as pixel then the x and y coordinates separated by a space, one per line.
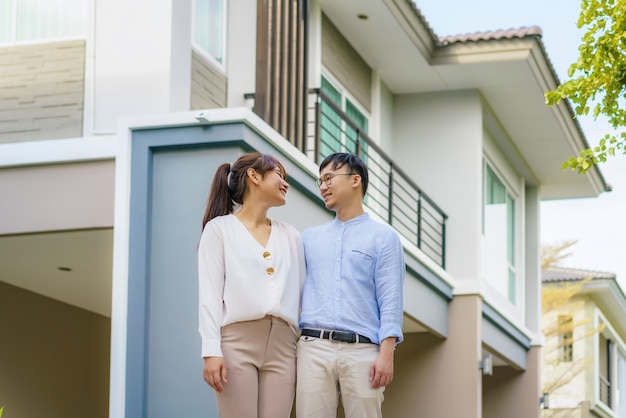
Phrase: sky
pixel 597 224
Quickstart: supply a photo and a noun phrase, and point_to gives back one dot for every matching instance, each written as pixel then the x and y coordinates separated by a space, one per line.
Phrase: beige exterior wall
pixel 54 357
pixel 513 394
pixel 208 84
pixel 57 197
pixel 41 91
pixel 438 378
pixel 579 372
pixel 346 65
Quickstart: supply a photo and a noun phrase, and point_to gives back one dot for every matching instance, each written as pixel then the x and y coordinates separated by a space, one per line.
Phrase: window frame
pixel 200 49
pixel 514 293
pixel 345 97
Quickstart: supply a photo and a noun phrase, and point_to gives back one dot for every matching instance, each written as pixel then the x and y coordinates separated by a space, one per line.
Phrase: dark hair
pixel 354 163
pixel 229 183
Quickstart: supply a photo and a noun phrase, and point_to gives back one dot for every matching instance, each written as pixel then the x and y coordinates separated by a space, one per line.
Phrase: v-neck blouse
pixel 242 280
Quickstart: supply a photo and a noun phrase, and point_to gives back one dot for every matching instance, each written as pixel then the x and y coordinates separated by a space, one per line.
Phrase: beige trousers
pixel 260 359
pixel 327 369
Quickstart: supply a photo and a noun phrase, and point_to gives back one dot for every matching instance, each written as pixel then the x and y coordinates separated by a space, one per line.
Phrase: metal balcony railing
pixel 605 391
pixel 392 194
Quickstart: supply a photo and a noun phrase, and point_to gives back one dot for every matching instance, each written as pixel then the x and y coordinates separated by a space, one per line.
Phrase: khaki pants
pixel 260 359
pixel 329 368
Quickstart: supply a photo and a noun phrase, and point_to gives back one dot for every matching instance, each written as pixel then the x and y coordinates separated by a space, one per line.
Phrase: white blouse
pixel 240 280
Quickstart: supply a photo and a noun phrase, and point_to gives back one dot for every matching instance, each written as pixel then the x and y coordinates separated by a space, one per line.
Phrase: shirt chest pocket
pixel 362 264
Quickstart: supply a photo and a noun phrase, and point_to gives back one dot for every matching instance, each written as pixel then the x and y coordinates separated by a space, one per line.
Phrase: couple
pixel 252 288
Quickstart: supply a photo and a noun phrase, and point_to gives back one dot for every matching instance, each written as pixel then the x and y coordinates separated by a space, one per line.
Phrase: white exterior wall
pixel 382 101
pixel 140 61
pixel 437 139
pixel 240 51
pixel 532 260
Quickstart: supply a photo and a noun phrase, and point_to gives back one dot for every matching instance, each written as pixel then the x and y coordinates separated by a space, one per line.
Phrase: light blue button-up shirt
pixel 354 278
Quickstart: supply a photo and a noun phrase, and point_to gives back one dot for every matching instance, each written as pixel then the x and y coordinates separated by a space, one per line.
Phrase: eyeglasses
pixel 328 178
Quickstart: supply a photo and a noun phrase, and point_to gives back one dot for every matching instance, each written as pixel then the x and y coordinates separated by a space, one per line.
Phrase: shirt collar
pixel 359 219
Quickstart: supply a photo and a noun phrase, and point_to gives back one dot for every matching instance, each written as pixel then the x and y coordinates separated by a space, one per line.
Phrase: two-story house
pixel 114 116
pixel 585 360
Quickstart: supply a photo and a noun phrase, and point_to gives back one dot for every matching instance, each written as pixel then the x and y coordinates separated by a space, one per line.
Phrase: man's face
pixel 336 185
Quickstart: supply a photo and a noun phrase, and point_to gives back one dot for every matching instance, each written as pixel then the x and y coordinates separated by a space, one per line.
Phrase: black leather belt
pixel 341 336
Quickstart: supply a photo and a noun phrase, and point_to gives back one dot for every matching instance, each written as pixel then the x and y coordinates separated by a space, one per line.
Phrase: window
pixel 210 27
pixel 33 20
pixel 498 229
pixel 336 135
pixel 605 365
pixel 566 337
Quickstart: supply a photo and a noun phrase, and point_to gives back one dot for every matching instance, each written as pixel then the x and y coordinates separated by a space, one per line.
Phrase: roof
pixel 561 274
pixel 492 35
pixel 395 39
pixel 521 33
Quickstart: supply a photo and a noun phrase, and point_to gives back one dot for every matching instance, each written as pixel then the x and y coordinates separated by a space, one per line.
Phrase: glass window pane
pixel 6 20
pixel 209 21
pixel 510 226
pixel 512 286
pixel 361 121
pixel 499 232
pixel 496 230
pixel 50 19
pixel 330 124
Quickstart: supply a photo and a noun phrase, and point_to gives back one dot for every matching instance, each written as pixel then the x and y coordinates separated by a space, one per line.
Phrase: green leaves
pixel 601 81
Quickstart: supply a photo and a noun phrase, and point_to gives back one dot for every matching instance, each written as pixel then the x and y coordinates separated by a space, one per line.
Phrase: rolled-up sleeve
pixel 389 279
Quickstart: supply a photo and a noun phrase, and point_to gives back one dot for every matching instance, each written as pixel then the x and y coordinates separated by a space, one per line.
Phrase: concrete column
pixel 514 394
pixel 142 59
pixel 439 378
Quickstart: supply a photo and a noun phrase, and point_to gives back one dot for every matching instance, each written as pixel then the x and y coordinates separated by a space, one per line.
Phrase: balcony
pixel 392 194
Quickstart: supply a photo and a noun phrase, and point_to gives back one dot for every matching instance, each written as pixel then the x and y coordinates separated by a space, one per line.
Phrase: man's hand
pixel 381 372
pixel 215 373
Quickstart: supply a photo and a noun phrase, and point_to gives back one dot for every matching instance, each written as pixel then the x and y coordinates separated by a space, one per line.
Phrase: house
pixel 115 115
pixel 588 347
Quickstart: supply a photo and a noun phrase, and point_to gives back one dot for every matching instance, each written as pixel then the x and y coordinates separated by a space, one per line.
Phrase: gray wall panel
pixel 345 63
pixel 180 184
pixel 208 84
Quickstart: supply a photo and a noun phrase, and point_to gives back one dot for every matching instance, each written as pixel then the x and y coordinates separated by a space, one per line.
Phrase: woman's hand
pixel 215 373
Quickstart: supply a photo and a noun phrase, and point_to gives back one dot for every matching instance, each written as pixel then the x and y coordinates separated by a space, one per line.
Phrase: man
pixel 351 316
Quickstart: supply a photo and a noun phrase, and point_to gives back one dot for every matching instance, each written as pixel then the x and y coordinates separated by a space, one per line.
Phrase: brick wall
pixel 208 84
pixel 41 91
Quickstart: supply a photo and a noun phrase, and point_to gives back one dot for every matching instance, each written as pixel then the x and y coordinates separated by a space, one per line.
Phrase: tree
pixel 552 255
pixel 598 78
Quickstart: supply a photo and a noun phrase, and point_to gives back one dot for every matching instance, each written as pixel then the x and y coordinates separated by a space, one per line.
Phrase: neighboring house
pixel 115 114
pixel 592 351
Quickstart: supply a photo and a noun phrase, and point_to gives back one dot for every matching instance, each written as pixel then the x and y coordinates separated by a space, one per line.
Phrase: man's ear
pixel 356 180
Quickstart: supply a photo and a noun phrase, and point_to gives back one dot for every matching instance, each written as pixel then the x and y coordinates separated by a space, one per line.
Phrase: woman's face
pixel 275 186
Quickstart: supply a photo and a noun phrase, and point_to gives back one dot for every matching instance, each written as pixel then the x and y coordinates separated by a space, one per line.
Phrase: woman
pixel 251 271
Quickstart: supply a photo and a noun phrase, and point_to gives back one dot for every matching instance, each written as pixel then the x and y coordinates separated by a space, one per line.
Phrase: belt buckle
pixel 343 336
